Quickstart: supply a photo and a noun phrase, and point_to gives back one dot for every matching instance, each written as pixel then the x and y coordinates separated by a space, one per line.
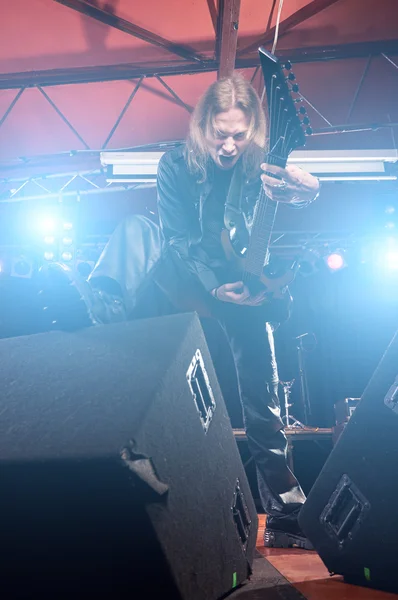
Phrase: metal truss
pixel 127 71
pixel 224 57
pixel 112 20
pixel 62 185
pixel 290 242
pixel 303 14
pixel 307 246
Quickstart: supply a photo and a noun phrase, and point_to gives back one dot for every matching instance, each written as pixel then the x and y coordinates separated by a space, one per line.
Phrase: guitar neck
pixel 263 224
pixel 285 133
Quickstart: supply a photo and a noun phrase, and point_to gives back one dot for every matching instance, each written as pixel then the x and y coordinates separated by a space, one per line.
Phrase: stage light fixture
pixel 309 261
pixel 49 255
pixel 47 225
pixel 67 242
pixel 392 260
pixel 335 260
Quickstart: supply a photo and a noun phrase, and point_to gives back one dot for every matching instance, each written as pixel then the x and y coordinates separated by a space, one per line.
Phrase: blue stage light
pixel 46 225
pixel 49 239
pixel 335 261
pixel 391 260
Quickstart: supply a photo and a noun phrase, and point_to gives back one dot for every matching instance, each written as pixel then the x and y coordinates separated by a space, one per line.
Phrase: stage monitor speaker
pixel 351 514
pixel 120 475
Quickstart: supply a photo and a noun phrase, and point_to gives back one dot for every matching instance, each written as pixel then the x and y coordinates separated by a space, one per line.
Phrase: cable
pixel 277 23
pixel 278 19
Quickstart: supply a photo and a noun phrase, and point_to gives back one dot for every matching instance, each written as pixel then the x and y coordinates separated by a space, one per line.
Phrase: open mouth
pixel 226 160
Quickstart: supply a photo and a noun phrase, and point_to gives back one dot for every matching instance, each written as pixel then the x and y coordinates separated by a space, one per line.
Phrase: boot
pixel 70 302
pixel 285 532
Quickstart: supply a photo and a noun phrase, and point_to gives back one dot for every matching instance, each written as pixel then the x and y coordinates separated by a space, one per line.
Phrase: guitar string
pixel 285 138
pixel 262 202
pixel 275 110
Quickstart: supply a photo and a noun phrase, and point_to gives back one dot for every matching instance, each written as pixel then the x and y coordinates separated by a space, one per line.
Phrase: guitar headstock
pixel 288 122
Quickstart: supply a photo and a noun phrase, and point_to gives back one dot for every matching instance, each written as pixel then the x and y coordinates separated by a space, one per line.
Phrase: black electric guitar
pixel 287 127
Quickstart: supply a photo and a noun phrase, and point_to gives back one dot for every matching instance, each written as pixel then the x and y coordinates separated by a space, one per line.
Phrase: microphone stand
pixel 287 385
pixel 302 375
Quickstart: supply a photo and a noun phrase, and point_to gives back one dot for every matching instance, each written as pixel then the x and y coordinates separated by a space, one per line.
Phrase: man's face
pixel 229 139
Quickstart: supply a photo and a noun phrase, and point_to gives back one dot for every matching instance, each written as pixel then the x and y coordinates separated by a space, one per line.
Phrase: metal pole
pixel 303 378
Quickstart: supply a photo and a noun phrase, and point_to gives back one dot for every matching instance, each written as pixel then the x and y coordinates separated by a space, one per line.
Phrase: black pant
pixel 131 263
pixel 252 348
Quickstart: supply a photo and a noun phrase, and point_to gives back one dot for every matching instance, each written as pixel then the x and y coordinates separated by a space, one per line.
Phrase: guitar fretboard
pixel 263 223
pixel 285 133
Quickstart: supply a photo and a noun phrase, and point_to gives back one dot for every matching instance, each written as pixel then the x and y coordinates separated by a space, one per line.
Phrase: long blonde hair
pixel 221 96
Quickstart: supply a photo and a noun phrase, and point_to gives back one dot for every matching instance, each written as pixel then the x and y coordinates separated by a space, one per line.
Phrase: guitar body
pixel 278 301
pixel 275 287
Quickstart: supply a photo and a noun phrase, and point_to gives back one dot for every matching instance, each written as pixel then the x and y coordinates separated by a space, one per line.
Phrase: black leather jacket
pixel 180 204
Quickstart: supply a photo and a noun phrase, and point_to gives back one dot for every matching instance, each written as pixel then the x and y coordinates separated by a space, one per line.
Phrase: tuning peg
pixel 295 88
pixel 306 121
pixel 287 65
pixel 302 109
pixel 291 77
pixel 309 131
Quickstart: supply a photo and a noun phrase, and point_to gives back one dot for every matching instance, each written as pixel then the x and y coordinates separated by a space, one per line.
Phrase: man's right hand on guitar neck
pixel 237 293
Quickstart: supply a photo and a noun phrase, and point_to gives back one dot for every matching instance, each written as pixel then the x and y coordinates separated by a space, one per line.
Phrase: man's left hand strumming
pixel 291 185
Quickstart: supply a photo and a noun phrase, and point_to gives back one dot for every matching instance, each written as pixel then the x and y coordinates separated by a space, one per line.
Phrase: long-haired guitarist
pixel 206 187
pixel 220 166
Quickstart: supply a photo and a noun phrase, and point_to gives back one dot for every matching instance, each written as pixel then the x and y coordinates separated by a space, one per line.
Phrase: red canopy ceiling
pixel 66 76
pixel 78 75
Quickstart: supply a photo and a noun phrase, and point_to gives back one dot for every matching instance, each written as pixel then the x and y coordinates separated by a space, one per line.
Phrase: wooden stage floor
pixel 307 573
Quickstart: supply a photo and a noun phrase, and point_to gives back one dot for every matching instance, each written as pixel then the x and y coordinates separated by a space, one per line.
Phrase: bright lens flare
pixel 335 261
pixel 47 225
pixel 392 260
